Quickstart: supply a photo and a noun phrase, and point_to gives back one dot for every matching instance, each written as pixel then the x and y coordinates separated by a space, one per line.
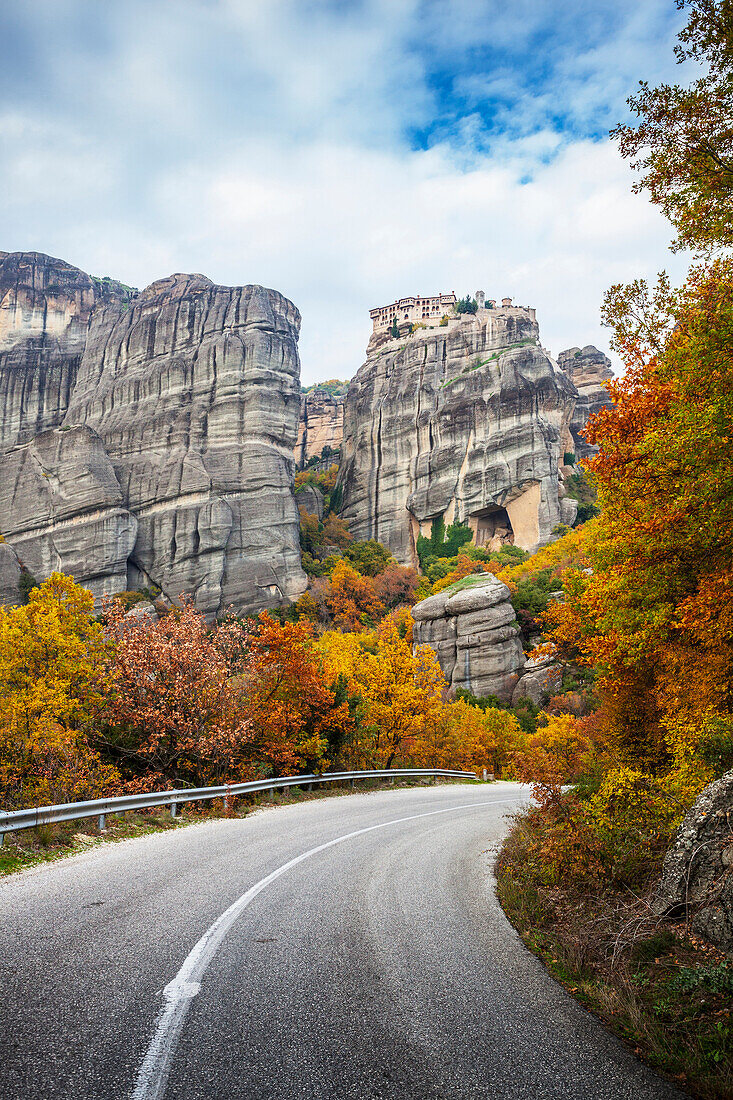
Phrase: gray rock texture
pixel 174 463
pixel 321 425
pixel 310 498
pixel 541 678
pixel 587 368
pixel 468 422
pixel 473 632
pixel 45 306
pixel 62 509
pixel 10 572
pixel 697 874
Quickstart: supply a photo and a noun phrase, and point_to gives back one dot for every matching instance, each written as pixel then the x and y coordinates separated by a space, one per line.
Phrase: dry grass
pixel 665 992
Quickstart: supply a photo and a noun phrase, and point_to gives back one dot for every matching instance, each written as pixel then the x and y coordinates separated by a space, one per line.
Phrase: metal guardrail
pixel 100 807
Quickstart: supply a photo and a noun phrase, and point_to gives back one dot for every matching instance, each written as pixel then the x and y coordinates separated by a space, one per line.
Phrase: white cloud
pixel 266 143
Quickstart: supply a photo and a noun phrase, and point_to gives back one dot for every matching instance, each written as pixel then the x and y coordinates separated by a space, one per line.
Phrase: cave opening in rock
pixel 492 528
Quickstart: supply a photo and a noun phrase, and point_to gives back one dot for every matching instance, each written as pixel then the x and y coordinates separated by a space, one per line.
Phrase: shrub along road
pixel 380 965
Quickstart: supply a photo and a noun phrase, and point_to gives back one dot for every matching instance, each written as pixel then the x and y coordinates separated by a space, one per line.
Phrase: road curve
pixel 341 948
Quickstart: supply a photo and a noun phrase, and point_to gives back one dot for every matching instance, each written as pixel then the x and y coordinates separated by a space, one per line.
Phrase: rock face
pixel 697 874
pixel 173 465
pixel 587 368
pixel 473 632
pixel 311 500
pixel 468 422
pixel 321 425
pixel 62 509
pixel 10 573
pixel 45 306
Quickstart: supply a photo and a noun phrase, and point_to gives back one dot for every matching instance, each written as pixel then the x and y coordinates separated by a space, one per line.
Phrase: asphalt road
pixel 377 966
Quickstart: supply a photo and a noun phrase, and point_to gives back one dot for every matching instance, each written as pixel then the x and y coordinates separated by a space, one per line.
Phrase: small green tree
pixel 394 331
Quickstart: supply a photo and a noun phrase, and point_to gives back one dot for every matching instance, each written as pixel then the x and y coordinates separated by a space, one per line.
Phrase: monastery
pixel 426 311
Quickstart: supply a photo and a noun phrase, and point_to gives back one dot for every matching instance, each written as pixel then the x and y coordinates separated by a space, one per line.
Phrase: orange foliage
pixel 350 600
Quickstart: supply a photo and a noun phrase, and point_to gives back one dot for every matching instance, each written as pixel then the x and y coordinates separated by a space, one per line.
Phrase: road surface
pixel 346 948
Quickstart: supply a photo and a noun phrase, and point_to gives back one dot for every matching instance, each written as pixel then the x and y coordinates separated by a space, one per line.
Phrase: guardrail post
pixel 484 775
pixel 101 822
pixel 174 809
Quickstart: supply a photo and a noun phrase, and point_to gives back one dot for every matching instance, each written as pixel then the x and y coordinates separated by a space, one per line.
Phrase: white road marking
pixel 153 1074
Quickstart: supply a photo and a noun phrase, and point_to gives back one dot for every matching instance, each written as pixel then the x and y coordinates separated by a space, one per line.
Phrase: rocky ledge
pixel 697 874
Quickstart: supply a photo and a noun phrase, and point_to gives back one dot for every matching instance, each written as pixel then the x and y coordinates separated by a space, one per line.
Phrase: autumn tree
pixel 52 654
pixel 652 614
pixel 297 713
pixel 400 692
pixel 350 601
pixel 682 145
pixel 172 717
pixel 470 738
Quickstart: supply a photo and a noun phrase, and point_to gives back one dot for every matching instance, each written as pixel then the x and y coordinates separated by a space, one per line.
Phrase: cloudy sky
pixel 345 152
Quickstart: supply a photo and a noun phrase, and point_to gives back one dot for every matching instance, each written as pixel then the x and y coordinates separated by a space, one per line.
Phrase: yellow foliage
pixel 569 552
pixel 470 738
pixel 51 653
pixel 400 692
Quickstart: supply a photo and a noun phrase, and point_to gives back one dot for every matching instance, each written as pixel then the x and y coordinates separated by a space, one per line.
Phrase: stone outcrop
pixel 587 368
pixel 472 628
pixel 697 874
pixel 468 422
pixel 311 500
pixel 321 425
pixel 541 678
pixel 173 465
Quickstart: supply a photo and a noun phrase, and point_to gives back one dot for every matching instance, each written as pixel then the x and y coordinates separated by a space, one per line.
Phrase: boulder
pixel 472 631
pixel 541 678
pixel 568 511
pixel 697 873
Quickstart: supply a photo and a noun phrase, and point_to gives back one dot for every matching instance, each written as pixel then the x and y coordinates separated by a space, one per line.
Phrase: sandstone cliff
pixel 321 425
pixel 174 462
pixel 469 422
pixel 587 368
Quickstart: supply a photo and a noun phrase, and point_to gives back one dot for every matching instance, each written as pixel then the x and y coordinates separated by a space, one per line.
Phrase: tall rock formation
pixel 45 306
pixel 321 425
pixel 587 368
pixel 468 422
pixel 174 462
